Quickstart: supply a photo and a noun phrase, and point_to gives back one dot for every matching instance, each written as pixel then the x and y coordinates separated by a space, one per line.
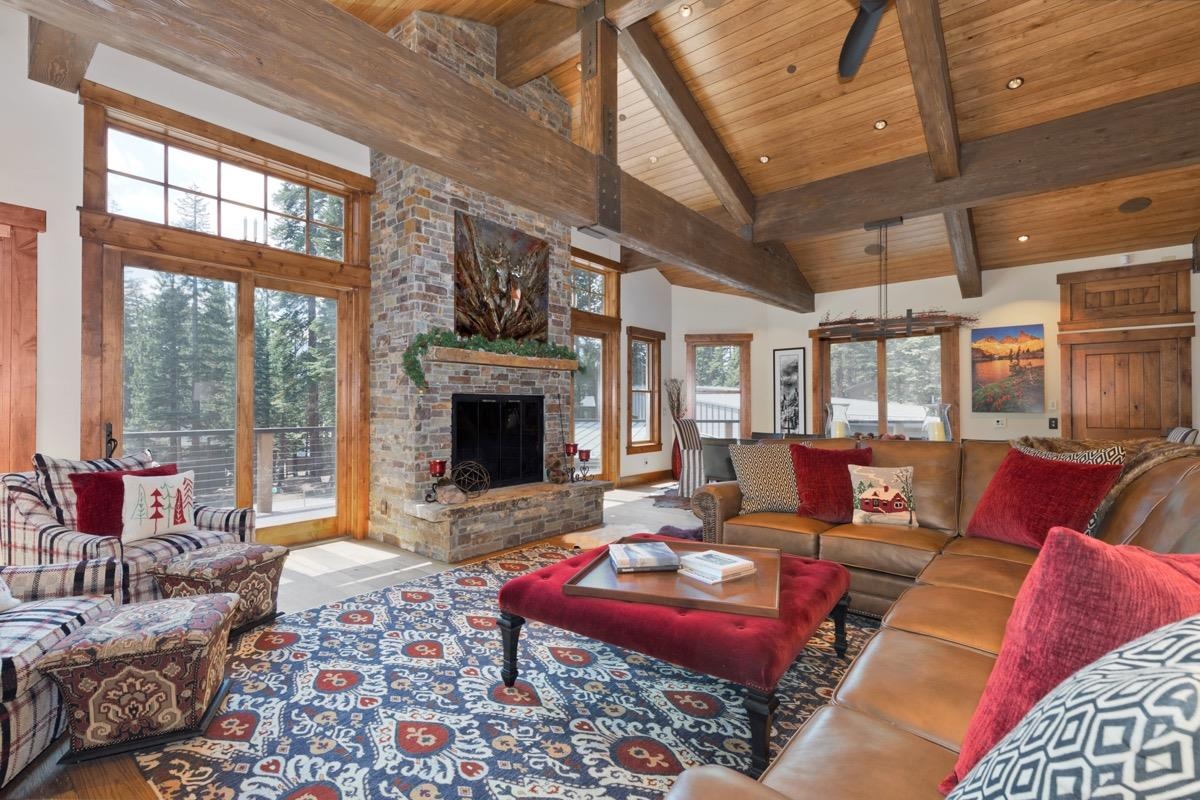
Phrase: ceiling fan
pixel 859 37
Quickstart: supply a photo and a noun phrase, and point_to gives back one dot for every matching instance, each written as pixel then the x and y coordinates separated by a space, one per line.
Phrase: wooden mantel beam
pixel 58 58
pixel 1150 133
pixel 647 59
pixel 960 229
pixel 921 27
pixel 371 89
pixel 543 36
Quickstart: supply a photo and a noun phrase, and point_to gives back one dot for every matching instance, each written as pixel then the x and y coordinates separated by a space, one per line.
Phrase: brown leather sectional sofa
pixel 896 721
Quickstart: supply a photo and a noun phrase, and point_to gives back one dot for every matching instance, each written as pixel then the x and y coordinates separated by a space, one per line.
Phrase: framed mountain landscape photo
pixel 1008 369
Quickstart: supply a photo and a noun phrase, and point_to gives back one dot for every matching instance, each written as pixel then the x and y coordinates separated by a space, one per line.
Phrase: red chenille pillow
pixel 823 481
pixel 100 496
pixel 1081 599
pixel 1029 495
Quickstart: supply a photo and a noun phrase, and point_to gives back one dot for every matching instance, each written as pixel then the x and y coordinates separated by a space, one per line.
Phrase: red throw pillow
pixel 1081 599
pixel 100 496
pixel 1028 496
pixel 823 481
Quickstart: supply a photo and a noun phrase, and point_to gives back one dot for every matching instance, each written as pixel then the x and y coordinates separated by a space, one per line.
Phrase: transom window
pixel 590 290
pixel 162 182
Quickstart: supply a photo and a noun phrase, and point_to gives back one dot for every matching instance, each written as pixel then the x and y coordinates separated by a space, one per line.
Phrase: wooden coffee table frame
pixel 760 706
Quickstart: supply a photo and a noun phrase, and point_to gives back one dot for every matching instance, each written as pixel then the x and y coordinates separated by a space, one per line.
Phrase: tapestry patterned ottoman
pixel 250 570
pixel 146 673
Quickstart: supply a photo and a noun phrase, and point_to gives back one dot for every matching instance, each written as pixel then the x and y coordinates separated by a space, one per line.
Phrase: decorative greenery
pixel 674 396
pixel 441 337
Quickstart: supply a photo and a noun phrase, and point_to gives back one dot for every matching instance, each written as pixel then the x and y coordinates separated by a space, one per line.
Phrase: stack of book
pixel 643 557
pixel 713 566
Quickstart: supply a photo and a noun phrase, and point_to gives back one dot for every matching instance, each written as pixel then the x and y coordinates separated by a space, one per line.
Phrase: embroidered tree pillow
pixel 100 498
pixel 157 505
pixel 766 477
pixel 883 496
pixel 54 479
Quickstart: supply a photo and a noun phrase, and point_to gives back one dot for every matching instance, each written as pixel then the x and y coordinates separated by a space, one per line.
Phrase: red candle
pixel 437 467
pixel 570 448
pixel 585 455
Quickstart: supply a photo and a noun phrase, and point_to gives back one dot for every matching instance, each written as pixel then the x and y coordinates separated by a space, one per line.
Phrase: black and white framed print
pixel 791 395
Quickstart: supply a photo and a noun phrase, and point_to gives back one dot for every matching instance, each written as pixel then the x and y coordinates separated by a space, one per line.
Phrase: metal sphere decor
pixel 471 477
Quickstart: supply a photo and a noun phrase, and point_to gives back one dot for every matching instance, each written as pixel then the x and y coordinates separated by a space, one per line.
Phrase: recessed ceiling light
pixel 1134 205
pixel 791 69
pixel 653 159
pixel 685 11
pixel 764 159
pixel 579 66
pixel 880 124
pixel 621 117
pixel 1024 237
pixel 1015 83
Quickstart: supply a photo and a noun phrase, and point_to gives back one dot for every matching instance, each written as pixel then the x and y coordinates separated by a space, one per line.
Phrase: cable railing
pixel 717 421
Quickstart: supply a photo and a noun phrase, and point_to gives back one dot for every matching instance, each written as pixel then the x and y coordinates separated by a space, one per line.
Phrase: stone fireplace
pixel 412 291
pixel 503 432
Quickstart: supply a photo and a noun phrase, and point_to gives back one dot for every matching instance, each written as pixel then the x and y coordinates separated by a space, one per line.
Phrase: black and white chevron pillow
pixel 1125 726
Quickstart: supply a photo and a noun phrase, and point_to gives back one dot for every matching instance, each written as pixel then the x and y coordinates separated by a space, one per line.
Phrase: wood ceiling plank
pixel 961 232
pixel 1137 136
pixel 645 57
pixel 921 24
pixel 58 58
pixel 383 15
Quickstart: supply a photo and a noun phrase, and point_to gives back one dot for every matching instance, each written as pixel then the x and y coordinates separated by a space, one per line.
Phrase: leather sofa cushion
pixel 883 548
pixel 848 755
pixel 935 477
pixel 976 572
pixel 980 460
pixel 923 685
pixel 790 533
pixel 872 593
pixel 961 616
pixel 990 548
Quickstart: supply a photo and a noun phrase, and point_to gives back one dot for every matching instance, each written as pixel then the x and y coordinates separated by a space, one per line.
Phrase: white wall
pixel 645 303
pixel 41 166
pixel 1010 297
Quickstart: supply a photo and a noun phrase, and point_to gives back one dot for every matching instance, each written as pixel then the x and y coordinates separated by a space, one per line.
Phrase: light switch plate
pixel 999 422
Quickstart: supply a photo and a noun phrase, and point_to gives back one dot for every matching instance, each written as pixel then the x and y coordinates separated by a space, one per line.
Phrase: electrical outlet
pixel 999 422
pixel 1054 423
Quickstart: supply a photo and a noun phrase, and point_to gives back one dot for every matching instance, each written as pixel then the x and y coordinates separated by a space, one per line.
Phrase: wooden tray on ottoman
pixel 756 595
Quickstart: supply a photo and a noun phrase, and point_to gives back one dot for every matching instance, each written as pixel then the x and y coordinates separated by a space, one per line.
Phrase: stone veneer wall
pixel 412 290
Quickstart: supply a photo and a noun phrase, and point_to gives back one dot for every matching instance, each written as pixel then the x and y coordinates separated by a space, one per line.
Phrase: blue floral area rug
pixel 397 694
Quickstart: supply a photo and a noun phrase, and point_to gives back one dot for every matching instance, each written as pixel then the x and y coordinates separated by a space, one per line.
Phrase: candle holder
pixel 584 457
pixel 570 448
pixel 437 471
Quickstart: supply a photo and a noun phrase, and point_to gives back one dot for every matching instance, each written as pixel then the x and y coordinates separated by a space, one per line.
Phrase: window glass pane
pixel 287 197
pixel 189 170
pixel 914 378
pixel 717 406
pixel 192 211
pixel 135 155
pixel 286 233
pixel 587 290
pixel 133 198
pixel 324 242
pixel 295 402
pixel 328 209
pixel 853 380
pixel 239 222
pixel 639 417
pixel 639 355
pixel 180 352
pixel 589 397
pixel 243 185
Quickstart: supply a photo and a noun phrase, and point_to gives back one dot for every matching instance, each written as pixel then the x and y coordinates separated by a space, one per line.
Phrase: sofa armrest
pixel 99 576
pixel 714 503
pixel 711 782
pixel 238 521
pixel 32 534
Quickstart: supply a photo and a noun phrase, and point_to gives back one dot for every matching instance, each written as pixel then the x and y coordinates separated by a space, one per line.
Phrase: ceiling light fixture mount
pixel 763 159
pixel 880 124
pixel 1024 237
pixel 1015 82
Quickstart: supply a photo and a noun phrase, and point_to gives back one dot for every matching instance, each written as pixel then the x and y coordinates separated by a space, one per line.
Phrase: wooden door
pixel 19 229
pixel 1126 384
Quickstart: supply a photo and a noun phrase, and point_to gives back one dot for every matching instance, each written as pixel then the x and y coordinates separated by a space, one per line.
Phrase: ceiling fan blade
pixel 859 38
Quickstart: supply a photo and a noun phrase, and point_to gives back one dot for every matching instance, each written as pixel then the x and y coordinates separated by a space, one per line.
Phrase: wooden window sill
pixel 643 447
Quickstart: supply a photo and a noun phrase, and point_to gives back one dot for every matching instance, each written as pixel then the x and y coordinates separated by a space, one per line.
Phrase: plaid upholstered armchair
pixel 57 599
pixel 35 530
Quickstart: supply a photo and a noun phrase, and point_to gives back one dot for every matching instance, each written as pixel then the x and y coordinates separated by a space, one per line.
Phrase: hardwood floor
pixel 316 575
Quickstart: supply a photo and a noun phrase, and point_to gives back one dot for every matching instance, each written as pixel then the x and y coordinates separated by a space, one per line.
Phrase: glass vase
pixel 837 420
pixel 936 425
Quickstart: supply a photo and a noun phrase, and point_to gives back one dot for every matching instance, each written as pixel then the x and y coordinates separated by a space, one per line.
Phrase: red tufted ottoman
pixel 753 652
pixel 251 571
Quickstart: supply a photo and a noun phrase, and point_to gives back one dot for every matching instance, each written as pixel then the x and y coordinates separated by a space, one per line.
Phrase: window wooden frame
pixel 822 383
pixel 653 341
pixel 110 242
pixel 607 328
pixel 741 340
pixel 19 229
pixel 609 270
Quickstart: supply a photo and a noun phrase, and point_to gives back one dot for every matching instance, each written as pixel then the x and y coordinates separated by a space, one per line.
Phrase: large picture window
pixel 644 380
pixel 718 383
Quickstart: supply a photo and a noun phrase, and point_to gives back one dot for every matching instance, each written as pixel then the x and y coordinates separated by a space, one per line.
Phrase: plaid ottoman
pixel 142 675
pixel 250 570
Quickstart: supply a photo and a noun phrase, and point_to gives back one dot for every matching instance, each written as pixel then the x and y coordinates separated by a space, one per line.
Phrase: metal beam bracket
pixel 592 12
pixel 608 195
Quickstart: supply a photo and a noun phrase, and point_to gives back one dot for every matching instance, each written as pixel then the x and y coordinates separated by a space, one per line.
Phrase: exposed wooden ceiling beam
pixel 633 261
pixel 372 89
pixel 921 27
pixel 1150 133
pixel 960 228
pixel 58 58
pixel 543 36
pixel 598 90
pixel 647 59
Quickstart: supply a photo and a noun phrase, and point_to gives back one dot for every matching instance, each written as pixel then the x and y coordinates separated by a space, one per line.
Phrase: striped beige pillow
pixel 766 477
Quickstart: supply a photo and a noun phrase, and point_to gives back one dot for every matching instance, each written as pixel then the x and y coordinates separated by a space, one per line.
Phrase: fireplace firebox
pixel 503 432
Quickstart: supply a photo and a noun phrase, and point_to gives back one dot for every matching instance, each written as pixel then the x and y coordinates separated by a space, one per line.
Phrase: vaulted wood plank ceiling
pixel 764 73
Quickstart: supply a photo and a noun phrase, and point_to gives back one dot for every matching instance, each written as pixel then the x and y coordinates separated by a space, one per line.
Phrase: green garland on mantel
pixel 441 337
